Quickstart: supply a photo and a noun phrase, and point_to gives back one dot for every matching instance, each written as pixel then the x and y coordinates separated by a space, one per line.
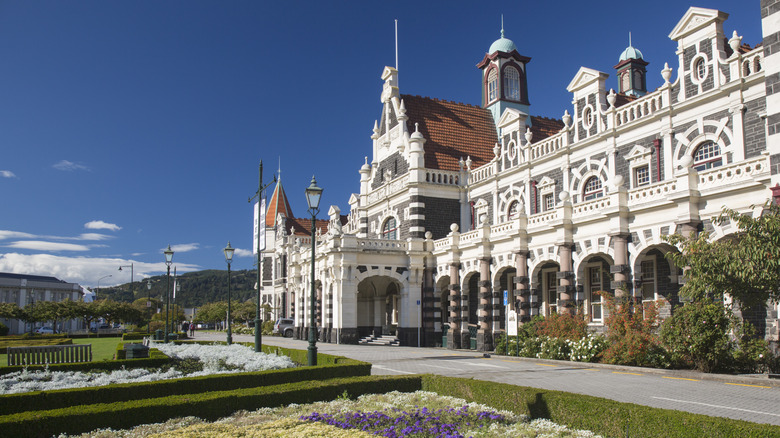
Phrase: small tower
pixel 504 83
pixel 631 72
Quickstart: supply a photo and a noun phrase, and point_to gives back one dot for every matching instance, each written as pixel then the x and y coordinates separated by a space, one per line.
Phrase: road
pixel 755 399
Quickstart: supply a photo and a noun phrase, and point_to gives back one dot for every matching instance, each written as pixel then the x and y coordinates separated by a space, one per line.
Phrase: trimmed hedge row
pixel 14 403
pixel 156 359
pixel 206 405
pixel 601 416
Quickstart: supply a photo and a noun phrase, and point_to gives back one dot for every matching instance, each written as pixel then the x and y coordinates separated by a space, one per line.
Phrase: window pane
pixel 707 156
pixel 592 189
pixel 492 85
pixel 511 83
pixel 642 175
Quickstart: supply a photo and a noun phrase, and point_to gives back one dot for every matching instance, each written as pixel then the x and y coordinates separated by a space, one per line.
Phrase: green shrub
pixel 4 329
pixel 587 349
pixel 553 348
pixel 268 327
pixel 697 336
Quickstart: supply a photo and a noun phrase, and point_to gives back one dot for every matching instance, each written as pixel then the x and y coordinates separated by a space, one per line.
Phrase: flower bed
pixel 215 359
pixel 394 414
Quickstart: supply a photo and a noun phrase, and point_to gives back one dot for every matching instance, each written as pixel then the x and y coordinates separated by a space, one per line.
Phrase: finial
pixel 279 172
pixel 416 127
pixel 629 39
pixel 502 25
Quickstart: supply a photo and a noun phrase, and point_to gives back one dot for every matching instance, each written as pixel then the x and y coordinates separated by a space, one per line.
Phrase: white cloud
pixel 244 252
pixel 7 174
pixel 184 247
pixel 7 234
pixel 100 225
pixel 40 245
pixel 83 270
pixel 93 236
pixel 69 166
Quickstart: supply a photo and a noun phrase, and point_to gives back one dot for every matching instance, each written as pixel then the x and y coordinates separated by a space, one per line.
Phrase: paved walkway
pixel 755 399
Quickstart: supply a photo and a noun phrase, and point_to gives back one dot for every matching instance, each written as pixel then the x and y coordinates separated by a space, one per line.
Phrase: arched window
pixel 701 69
pixel 511 83
pixel 592 189
pixel 390 229
pixel 512 212
pixel 492 85
pixel 707 156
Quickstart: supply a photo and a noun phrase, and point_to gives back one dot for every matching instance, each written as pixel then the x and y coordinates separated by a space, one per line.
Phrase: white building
pixel 24 290
pixel 459 203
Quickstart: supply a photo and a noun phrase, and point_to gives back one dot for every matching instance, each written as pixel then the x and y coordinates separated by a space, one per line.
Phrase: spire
pixel 277 204
pixel 502 25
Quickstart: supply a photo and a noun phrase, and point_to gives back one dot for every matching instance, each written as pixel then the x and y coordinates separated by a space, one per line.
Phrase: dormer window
pixel 511 83
pixel 492 85
pixel 701 69
pixel 593 189
pixel 707 156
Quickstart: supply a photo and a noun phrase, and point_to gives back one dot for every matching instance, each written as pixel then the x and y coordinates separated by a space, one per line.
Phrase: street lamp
pixel 131 278
pixel 98 286
pixel 229 250
pixel 168 260
pixel 149 304
pixel 313 194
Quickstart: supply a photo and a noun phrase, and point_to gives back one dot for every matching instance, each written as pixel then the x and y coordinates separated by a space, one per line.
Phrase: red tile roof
pixel 277 204
pixel 452 130
pixel 543 127
pixel 302 227
pixel 622 99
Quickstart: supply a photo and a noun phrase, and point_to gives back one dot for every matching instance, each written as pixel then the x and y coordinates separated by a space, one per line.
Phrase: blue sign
pixel 506 297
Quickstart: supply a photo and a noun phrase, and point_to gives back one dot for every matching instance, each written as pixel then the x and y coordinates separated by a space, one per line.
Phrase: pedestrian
pixel 192 330
pixel 185 327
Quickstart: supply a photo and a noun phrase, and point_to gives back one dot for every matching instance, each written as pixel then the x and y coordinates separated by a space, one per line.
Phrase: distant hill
pixel 196 288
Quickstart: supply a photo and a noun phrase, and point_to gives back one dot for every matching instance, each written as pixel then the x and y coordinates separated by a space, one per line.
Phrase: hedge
pixel 206 405
pixel 15 403
pixel 602 416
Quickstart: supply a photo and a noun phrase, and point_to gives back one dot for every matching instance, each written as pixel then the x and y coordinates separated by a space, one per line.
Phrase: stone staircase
pixel 387 340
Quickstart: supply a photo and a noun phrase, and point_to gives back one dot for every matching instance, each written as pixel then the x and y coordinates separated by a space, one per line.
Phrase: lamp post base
pixel 258 336
pixel 312 351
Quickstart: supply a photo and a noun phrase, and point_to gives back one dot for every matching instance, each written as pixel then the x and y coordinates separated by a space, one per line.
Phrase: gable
pixel 695 19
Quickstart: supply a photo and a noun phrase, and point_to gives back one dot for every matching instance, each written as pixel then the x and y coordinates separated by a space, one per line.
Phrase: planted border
pixel 206 405
pixel 601 416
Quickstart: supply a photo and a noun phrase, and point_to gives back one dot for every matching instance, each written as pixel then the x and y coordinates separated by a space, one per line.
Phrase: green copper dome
pixel 630 53
pixel 502 44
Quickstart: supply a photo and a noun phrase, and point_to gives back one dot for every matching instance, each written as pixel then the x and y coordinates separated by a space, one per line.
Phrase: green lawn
pixel 102 348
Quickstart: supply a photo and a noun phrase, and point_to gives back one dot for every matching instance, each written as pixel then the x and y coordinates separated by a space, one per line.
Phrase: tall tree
pixel 746 266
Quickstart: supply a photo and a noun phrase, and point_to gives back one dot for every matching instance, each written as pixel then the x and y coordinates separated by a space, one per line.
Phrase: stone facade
pixel 457 200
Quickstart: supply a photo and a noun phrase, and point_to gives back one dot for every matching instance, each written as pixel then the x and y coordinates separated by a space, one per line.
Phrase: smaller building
pixel 24 289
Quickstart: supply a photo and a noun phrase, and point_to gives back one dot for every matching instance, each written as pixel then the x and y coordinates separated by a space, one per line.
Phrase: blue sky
pixel 126 126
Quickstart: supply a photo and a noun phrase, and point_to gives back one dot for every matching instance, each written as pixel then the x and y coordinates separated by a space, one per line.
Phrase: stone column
pixel 521 294
pixel 621 268
pixel 379 315
pixel 485 311
pixel 453 336
pixel 566 303
pixel 429 306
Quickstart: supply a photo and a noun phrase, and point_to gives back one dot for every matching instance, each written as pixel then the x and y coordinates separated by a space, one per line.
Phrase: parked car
pixel 284 327
pixel 45 330
pixel 100 327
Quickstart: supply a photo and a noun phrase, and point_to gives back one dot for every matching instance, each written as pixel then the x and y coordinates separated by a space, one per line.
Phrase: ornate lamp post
pixel 149 304
pixel 131 278
pixel 313 195
pixel 229 250
pixel 168 260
